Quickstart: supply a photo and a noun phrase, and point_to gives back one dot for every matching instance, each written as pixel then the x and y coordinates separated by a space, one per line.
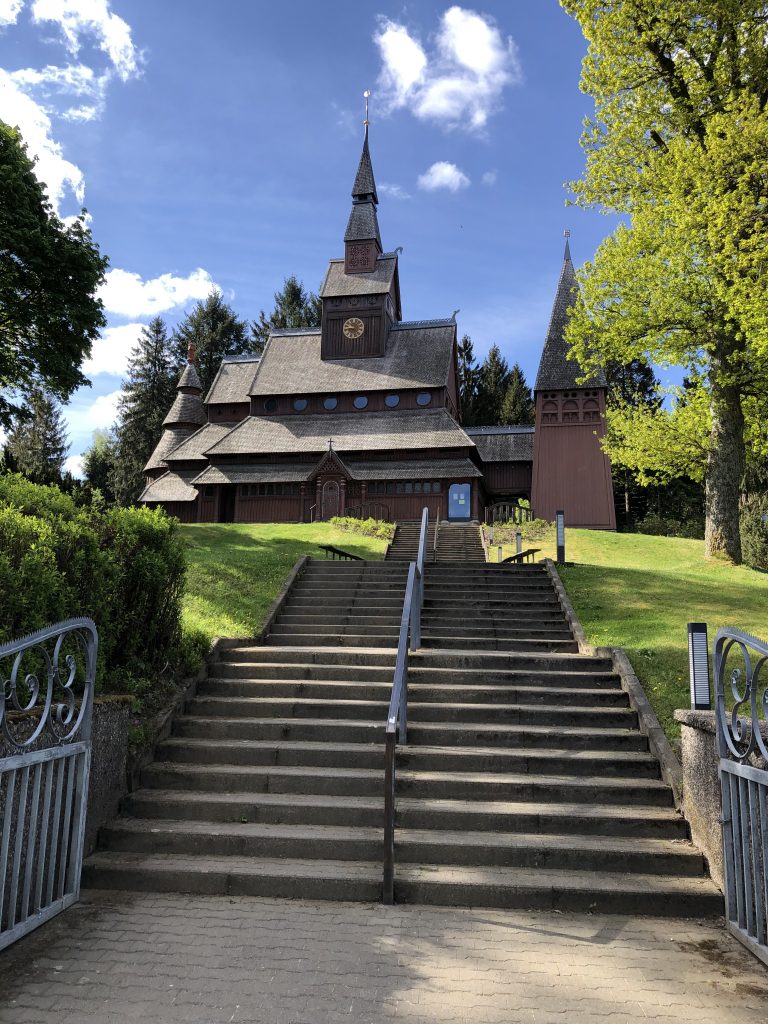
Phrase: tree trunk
pixel 725 469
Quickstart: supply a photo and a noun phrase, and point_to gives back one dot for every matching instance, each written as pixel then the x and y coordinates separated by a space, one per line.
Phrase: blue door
pixel 460 501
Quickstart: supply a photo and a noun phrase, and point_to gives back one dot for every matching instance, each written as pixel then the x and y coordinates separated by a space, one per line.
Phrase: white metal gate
pixel 46 700
pixel 741 710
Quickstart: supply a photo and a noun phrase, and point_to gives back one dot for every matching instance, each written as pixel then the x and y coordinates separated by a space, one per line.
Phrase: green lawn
pixel 236 571
pixel 639 593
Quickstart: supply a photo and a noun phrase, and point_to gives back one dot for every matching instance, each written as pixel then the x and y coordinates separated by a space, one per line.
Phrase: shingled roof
pixel 254 474
pixel 192 446
pixel 503 444
pixel 232 383
pixel 170 487
pixel 417 469
pixel 363 224
pixel 169 439
pixel 351 432
pixel 190 378
pixel 417 356
pixel 556 370
pixel 337 284
pixel 187 410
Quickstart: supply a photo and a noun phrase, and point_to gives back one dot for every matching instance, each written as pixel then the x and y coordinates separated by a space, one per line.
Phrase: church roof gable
pixel 338 285
pixel 416 356
pixel 351 432
pixel 232 383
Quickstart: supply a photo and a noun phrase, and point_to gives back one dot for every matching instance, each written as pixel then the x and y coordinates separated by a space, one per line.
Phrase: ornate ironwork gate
pixel 46 700
pixel 743 751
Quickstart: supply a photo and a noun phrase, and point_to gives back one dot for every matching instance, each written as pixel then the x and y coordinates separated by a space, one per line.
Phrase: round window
pixel 270 405
pixel 300 404
pixel 361 401
pixel 424 398
pixel 330 403
pixel 392 401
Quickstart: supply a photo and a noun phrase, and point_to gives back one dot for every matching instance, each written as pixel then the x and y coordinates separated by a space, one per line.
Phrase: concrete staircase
pixel 456 542
pixel 344 604
pixel 525 782
pixel 493 607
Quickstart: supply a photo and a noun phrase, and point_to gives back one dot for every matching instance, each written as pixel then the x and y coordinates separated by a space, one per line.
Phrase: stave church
pixel 362 416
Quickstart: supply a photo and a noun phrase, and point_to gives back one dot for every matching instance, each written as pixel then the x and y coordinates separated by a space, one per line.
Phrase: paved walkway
pixel 119 958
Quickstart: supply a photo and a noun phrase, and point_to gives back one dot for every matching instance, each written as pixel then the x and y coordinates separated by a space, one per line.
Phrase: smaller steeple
pixel 187 414
pixel 362 240
pixel 567 255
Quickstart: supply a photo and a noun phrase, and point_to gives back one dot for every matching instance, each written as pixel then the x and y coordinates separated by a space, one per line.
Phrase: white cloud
pixel 393 191
pixel 443 175
pixel 99 414
pixel 489 178
pixel 126 294
pixel 78 18
pixel 59 174
pixel 459 84
pixel 9 11
pixel 74 465
pixel 111 351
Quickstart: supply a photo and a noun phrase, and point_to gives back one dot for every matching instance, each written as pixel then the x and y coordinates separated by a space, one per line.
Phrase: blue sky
pixel 215 143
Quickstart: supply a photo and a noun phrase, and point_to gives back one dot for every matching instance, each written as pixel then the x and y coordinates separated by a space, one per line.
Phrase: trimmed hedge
pixel 123 567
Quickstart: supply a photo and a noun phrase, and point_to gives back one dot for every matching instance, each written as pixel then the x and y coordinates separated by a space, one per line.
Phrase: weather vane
pixel 367 93
pixel 567 233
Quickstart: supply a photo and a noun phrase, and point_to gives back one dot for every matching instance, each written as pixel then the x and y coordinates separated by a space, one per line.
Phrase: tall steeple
pixel 362 241
pixel 556 370
pixel 187 414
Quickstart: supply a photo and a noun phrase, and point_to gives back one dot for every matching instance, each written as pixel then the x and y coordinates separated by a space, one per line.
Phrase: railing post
pixel 388 893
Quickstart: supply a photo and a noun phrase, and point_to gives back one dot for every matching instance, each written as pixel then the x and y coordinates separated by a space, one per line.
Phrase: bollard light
pixel 491 535
pixel 560 520
pixel 518 541
pixel 698 666
pixel 499 552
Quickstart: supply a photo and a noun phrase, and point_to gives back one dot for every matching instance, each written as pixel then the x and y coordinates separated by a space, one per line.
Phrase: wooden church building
pixel 362 415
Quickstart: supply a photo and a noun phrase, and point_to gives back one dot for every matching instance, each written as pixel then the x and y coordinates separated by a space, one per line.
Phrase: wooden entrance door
pixel 330 500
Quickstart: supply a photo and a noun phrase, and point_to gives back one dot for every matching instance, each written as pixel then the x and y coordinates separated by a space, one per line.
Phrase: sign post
pixel 560 520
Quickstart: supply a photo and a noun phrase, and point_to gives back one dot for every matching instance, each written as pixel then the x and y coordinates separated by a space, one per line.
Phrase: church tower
pixel 187 414
pixel 571 473
pixel 361 293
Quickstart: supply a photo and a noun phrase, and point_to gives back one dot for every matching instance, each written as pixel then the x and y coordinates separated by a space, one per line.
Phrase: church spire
pixel 362 241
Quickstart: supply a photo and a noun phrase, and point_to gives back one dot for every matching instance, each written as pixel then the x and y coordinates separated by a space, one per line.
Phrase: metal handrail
pixel 397 715
pixel 312 510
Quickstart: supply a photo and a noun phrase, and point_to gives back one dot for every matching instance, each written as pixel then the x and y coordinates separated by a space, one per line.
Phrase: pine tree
pixel 215 330
pixel 99 462
pixel 294 307
pixel 493 382
pixel 38 441
pixel 517 407
pixel 148 393
pixel 468 381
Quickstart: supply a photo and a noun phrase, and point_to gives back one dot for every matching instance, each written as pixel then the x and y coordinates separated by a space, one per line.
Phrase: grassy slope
pixel 236 571
pixel 639 593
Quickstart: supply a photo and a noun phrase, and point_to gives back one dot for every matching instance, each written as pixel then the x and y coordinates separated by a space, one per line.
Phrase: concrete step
pixel 355 626
pixel 418 692
pixel 635 764
pixel 468 642
pixel 313 842
pixel 343 639
pixel 491 817
pixel 478 660
pixel 418 712
pixel 435 626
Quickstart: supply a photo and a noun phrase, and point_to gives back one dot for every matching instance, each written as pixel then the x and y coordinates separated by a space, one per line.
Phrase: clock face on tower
pixel 353 328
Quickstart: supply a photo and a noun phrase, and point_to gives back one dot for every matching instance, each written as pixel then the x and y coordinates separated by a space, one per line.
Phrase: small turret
pixel 187 414
pixel 362 240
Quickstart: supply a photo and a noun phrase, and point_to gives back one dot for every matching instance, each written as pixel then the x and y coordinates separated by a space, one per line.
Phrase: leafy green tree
pixel 517 407
pixel 38 441
pixel 99 463
pixel 148 393
pixel 49 274
pixel 469 376
pixel 215 330
pixel 294 307
pixel 679 145
pixel 493 381
pixel 630 385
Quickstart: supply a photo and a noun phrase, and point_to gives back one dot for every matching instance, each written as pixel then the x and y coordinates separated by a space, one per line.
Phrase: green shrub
pixel 754 532
pixel 365 527
pixel 535 530
pixel 124 568
pixel 668 526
